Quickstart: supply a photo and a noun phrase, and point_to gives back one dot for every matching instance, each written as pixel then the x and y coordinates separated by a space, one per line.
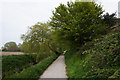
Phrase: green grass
pixel 15 63
pixel 76 65
pixel 99 58
pixel 33 72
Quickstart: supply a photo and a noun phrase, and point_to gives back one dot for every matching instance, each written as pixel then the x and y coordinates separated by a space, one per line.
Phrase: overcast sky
pixel 17 15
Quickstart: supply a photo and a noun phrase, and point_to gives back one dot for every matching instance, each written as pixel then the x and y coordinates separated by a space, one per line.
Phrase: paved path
pixel 56 69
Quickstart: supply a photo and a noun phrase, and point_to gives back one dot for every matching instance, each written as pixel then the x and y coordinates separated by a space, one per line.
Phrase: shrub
pixel 99 58
pixel 35 71
pixel 15 63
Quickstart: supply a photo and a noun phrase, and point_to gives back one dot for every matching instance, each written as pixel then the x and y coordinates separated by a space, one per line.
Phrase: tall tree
pixel 39 39
pixel 75 21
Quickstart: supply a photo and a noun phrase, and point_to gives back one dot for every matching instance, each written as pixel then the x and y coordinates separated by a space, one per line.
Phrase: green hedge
pixel 15 63
pixel 33 72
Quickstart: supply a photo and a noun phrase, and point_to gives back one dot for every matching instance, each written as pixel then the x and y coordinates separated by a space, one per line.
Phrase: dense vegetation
pixel 71 25
pixel 33 72
pixel 99 58
pixel 93 49
pixel 21 64
pixel 77 22
pixel 15 63
pixel 82 29
pixel 39 39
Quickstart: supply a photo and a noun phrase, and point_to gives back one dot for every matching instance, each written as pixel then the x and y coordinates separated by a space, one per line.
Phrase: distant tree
pixel 10 46
pixel 110 20
pixel 75 21
pixel 3 49
pixel 19 47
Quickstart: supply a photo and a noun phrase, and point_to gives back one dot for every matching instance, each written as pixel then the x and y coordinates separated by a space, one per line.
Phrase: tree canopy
pixel 75 20
pixel 39 39
pixel 110 19
pixel 10 46
pixel 70 26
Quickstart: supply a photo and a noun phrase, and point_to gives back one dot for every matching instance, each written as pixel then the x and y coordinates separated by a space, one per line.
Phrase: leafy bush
pixel 99 58
pixel 107 48
pixel 116 74
pixel 43 55
pixel 35 71
pixel 100 73
pixel 15 63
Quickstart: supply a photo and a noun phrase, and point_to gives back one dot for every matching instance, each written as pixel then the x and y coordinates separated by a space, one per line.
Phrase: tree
pixel 110 20
pixel 10 46
pixel 19 47
pixel 74 22
pixel 39 39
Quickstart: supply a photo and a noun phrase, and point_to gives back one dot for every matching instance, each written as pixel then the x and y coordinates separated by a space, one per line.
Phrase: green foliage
pixel 39 40
pixel 35 71
pixel 110 20
pixel 15 63
pixel 75 21
pixel 100 73
pixel 43 55
pixel 10 46
pixel 35 36
pixel 77 66
pixel 107 48
pixel 96 59
pixel 116 74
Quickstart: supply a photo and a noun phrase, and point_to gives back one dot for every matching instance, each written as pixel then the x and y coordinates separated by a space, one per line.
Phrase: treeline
pixel 12 47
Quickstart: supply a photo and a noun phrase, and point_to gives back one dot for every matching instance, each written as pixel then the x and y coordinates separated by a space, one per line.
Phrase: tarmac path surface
pixel 56 69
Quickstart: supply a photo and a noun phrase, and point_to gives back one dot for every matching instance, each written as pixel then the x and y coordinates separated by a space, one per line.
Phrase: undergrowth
pixel 99 58
pixel 15 63
pixel 34 72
